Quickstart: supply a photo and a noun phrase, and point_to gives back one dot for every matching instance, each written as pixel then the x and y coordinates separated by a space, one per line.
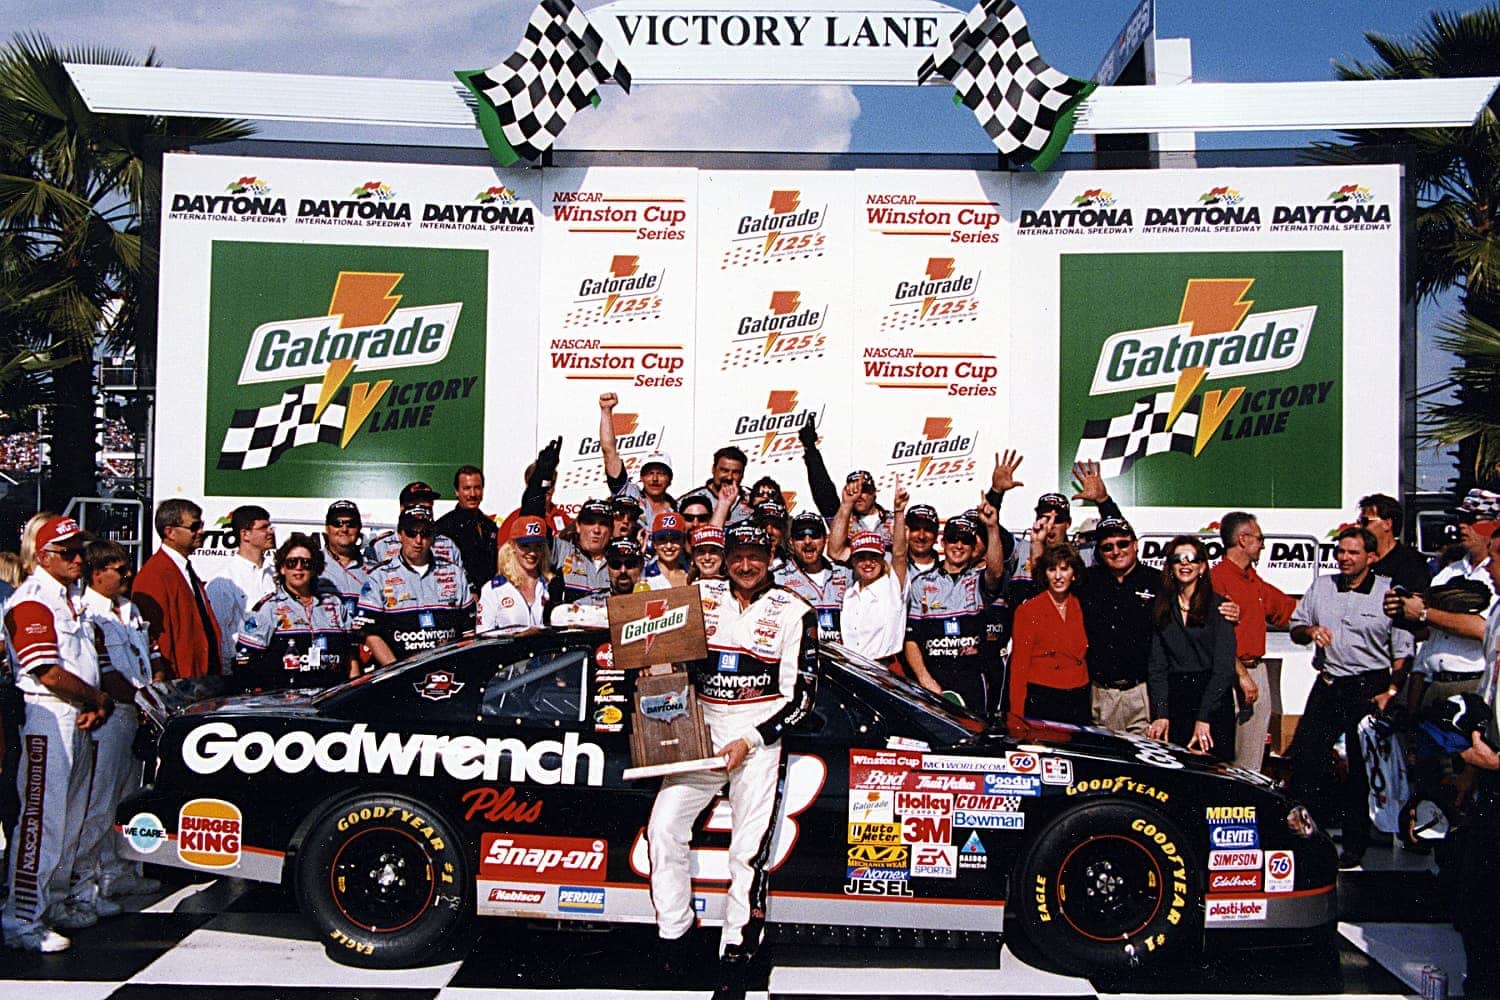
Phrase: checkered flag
pixel 525 102
pixel 257 438
pixel 1025 106
pixel 1116 443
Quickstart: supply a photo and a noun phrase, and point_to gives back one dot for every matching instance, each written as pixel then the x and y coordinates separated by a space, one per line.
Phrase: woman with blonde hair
pixel 517 596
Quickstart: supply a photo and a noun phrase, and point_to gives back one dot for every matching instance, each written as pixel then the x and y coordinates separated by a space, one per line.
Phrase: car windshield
pixel 868 671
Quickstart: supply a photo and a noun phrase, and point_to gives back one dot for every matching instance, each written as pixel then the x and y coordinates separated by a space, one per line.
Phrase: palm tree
pixel 73 189
pixel 1457 173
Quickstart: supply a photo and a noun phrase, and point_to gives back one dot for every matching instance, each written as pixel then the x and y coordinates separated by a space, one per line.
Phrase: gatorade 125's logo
pixel 364 358
pixel 1205 364
pixel 771 434
pixel 622 292
pixel 940 454
pixel 788 229
pixel 943 294
pixel 789 328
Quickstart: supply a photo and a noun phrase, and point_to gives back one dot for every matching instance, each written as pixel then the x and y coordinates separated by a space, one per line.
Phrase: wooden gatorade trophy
pixel 652 631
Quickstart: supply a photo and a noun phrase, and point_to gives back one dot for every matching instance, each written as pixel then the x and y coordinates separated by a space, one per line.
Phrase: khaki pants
pixel 1250 735
pixel 1127 711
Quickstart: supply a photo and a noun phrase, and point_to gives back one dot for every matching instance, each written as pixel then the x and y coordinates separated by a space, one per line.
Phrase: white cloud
pixel 797 118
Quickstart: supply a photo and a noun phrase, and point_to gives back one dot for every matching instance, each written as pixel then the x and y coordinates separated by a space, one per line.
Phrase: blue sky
pixel 1232 40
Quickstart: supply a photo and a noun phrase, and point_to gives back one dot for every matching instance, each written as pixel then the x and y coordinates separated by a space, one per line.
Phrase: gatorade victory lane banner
pixel 336 329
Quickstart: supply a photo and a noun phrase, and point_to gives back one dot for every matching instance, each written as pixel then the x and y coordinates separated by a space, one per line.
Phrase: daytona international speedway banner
pixel 1215 339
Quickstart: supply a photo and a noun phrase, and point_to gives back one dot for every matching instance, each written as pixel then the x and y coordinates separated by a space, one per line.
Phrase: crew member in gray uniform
pixel 580 561
pixel 1361 660
pixel 415 600
pixel 387 544
pixel 623 559
pixel 343 570
pixel 810 575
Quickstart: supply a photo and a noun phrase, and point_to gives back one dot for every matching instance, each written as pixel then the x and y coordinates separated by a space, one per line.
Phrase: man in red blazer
pixel 184 634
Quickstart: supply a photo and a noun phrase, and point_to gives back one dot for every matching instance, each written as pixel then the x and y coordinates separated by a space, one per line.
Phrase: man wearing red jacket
pixel 185 636
pixel 1260 604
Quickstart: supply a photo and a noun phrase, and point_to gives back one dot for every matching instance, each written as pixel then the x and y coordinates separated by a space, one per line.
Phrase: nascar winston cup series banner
pixel 1214 338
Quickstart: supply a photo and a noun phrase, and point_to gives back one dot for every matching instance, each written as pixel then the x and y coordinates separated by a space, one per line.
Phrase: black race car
pixel 486 778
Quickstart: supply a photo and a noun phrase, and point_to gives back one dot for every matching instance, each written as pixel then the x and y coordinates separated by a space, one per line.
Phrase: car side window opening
pixel 545 687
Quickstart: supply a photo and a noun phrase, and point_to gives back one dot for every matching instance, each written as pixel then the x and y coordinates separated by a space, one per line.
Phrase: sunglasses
pixel 121 569
pixel 616 562
pixel 808 533
pixel 194 527
pixel 297 562
pixel 1184 558
pixel 417 532
pixel 695 518
pixel 960 536
pixel 1116 546
pixel 344 522
pixel 69 553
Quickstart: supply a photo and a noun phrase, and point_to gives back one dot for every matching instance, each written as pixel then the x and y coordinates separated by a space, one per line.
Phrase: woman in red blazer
pixel 1048 677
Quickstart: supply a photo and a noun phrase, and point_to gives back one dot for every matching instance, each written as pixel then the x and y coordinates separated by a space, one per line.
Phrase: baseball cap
pixel 1479 505
pixel 867 543
pixel 770 510
pixel 596 510
pixel 666 524
pixel 625 502
pixel 808 522
pixel 749 535
pixel 922 513
pixel 412 516
pixel 961 527
pixel 528 528
pixel 709 537
pixel 343 508
pixel 416 492
pixel 624 548
pixel 1111 527
pixel 1057 504
pixel 865 480
pixel 58 532
pixel 658 458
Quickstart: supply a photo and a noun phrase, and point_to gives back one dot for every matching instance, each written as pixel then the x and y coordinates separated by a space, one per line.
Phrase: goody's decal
pixel 1204 365
pixel 363 371
pixel 1012 784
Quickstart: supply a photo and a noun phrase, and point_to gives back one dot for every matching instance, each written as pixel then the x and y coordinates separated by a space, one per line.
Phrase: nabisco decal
pixel 214 746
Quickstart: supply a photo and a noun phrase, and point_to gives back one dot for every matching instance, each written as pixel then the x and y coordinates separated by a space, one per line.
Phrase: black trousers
pixel 1070 705
pixel 1478 910
pixel 1184 698
pixel 1336 707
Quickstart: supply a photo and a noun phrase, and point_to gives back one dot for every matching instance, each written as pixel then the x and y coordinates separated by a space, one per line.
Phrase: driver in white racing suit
pixel 756 683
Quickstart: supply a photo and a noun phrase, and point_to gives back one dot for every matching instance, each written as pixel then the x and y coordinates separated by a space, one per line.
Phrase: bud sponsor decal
pixel 519 857
pixel 786 228
pixel 364 370
pixel 1233 911
pixel 1204 365
pixel 208 833
pixel 1281 871
pixel 934 861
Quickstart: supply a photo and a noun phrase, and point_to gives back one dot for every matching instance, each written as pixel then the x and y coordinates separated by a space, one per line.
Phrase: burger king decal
pixel 208 833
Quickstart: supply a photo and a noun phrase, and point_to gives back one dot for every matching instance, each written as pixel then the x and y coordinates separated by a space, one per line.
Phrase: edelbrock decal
pixel 216 745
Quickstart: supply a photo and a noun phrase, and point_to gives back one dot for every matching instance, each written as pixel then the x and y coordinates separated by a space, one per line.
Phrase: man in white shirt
pixel 245 577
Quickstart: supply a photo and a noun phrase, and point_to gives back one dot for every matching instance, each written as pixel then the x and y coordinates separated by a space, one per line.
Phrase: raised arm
pixel 825 495
pixel 543 475
pixel 838 531
pixel 613 467
pixel 898 533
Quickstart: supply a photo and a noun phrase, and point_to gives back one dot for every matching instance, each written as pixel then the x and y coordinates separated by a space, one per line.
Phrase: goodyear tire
pixel 1109 886
pixel 383 880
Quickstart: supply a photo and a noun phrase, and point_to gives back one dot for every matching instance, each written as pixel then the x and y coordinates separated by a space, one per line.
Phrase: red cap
pixel 710 537
pixel 528 529
pixel 667 521
pixel 57 531
pixel 867 542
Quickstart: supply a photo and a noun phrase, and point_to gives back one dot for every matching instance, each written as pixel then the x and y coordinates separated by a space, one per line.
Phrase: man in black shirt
pixel 1117 595
pixel 1380 515
pixel 473 531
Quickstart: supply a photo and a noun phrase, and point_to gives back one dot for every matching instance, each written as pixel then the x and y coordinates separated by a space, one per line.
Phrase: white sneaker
pixel 45 940
pixel 75 918
pixel 131 884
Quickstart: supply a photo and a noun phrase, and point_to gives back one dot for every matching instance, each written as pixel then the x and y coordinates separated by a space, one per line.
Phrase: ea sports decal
pixel 439 685
pixel 208 833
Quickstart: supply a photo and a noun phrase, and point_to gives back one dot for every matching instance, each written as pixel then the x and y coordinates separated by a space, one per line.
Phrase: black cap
pixel 412 516
pixel 596 510
pixel 922 513
pixel 1112 527
pixel 624 502
pixel 809 522
pixel 417 492
pixel 343 508
pixel 744 534
pixel 865 480
pixel 624 548
pixel 1055 503
pixel 770 510
pixel 961 525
